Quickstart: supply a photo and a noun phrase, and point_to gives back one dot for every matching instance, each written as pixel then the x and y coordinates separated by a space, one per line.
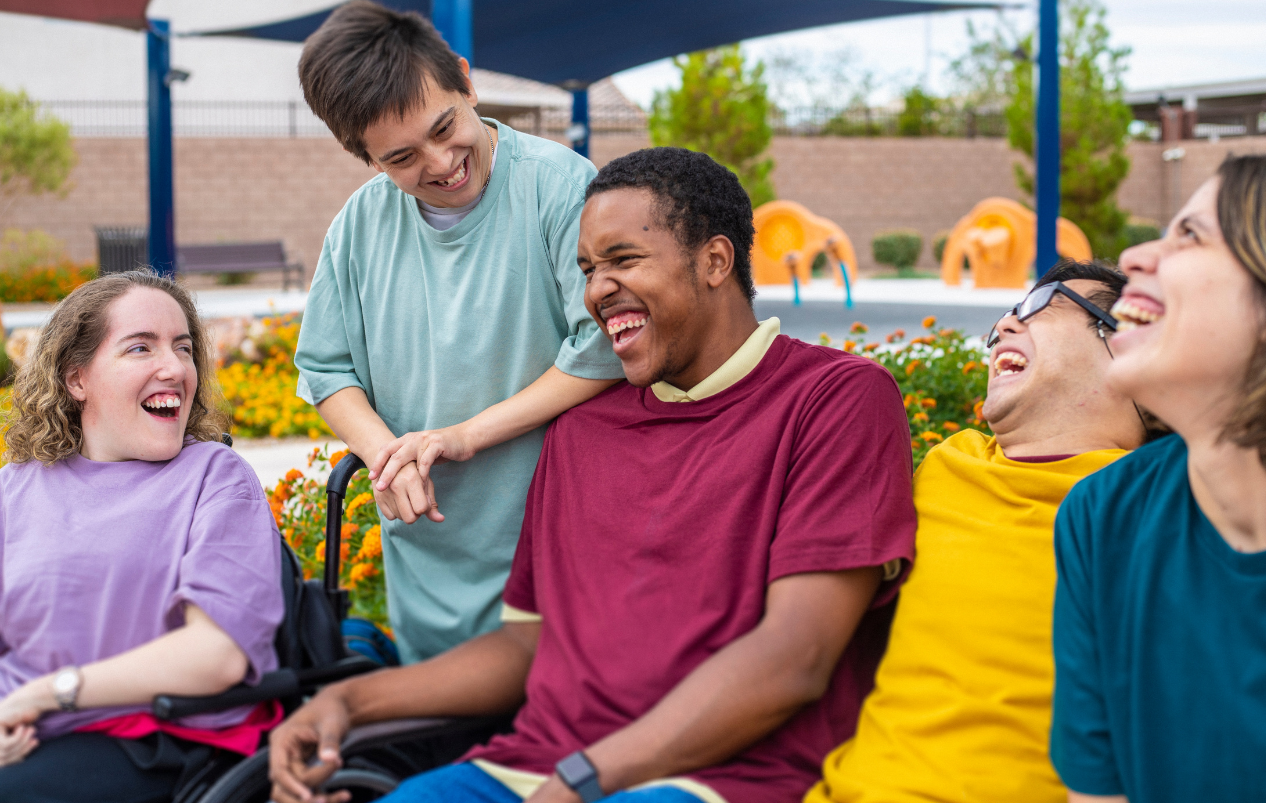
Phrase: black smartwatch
pixel 580 776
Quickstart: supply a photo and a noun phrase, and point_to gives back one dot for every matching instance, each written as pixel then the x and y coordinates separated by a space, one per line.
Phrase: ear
pixel 470 86
pixel 718 260
pixel 75 384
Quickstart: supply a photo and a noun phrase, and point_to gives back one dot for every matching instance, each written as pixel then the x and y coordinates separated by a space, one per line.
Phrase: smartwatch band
pixel 580 776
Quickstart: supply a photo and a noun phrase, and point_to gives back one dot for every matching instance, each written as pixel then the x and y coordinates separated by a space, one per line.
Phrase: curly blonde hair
pixel 45 424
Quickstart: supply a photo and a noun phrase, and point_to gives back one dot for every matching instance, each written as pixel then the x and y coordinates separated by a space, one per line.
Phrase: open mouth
pixel 1135 311
pixel 457 178
pixel 624 327
pixel 1009 363
pixel 162 405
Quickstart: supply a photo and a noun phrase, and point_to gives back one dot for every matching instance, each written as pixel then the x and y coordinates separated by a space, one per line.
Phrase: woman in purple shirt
pixel 138 555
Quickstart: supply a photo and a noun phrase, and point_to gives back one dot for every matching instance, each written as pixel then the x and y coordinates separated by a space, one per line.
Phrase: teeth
pixel 457 177
pixel 1010 362
pixel 173 401
pixel 622 325
pixel 1130 316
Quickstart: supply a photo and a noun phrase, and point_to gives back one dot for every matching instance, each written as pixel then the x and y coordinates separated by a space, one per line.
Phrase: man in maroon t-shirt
pixel 700 594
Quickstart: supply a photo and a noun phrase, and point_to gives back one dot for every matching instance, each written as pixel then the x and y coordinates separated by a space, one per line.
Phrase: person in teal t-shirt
pixel 446 321
pixel 1160 608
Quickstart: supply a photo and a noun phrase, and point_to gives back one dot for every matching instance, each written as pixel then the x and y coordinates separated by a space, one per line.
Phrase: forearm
pixel 553 394
pixel 484 676
pixel 1077 797
pixel 355 422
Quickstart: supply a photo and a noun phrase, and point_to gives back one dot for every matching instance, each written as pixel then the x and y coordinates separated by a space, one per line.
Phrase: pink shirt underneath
pixel 242 738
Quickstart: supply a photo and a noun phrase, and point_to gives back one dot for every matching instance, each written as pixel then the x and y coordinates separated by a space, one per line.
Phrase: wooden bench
pixel 238 258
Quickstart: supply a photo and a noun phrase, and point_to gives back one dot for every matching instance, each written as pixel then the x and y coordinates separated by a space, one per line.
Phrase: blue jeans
pixel 466 783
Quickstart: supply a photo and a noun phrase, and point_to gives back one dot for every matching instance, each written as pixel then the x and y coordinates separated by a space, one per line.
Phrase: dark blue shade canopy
pixel 558 41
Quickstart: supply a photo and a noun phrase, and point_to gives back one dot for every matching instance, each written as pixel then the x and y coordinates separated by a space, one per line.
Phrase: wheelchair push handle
pixel 335 491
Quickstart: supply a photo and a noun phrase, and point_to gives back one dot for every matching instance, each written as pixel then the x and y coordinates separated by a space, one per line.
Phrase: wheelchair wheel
pixel 248 783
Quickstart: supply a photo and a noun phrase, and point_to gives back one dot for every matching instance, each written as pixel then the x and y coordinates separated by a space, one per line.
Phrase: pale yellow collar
pixel 732 370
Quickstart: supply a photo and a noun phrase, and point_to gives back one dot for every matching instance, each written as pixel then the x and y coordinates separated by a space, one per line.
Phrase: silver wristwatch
pixel 66 685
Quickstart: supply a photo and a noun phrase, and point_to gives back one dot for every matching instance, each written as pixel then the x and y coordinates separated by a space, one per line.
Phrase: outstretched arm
pixel 486 675
pixel 742 693
pixel 553 394
pixel 1077 797
pixel 196 659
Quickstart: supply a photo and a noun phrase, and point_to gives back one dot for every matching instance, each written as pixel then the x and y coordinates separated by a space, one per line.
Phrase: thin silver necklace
pixel 491 159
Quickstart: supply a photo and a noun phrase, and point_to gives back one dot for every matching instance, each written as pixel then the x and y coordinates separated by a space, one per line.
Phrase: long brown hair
pixel 45 424
pixel 1242 217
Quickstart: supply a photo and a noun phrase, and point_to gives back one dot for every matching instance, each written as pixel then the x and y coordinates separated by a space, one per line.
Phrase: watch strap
pixel 66 685
pixel 580 775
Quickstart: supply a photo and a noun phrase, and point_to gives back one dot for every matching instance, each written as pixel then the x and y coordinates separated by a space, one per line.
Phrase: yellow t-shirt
pixel 961 709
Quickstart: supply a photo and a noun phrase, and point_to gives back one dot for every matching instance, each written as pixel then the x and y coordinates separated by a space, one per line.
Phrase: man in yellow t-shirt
pixel 962 702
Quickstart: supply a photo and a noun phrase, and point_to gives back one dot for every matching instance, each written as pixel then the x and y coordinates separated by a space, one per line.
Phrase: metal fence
pixel 861 121
pixel 190 118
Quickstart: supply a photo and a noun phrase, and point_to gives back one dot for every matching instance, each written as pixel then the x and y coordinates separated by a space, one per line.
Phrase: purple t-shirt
pixel 99 558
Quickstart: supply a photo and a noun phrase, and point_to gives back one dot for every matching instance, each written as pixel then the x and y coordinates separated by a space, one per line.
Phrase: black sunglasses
pixel 1040 299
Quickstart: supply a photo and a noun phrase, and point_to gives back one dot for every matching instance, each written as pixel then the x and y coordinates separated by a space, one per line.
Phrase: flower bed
pixel 298 504
pixel 259 381
pixel 47 283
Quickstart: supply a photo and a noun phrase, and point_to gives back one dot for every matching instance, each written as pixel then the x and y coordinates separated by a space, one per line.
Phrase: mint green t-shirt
pixel 437 326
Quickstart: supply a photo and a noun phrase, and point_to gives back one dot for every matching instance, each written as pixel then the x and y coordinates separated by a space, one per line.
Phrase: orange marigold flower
pixel 899 334
pixel 858 328
pixel 337 456
pixel 969 367
pixel 915 444
pixel 371 545
pixel 344 551
pixel 945 332
pixel 931 437
pixel 928 403
pixel 912 365
pixel 320 552
pixel 977 408
pixel 349 529
pixel 920 416
pixel 294 474
pixel 929 322
pixel 950 426
pixel 849 345
pixel 361 571
pixel 870 347
pixel 361 499
pixel 908 400
pixel 283 491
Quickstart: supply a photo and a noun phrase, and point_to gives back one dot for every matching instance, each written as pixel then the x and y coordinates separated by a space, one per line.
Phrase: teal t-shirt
pixel 437 326
pixel 1160 641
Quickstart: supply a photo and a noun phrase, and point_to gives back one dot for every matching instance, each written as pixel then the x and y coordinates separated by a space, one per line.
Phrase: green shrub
pixel 918 116
pixel 1136 233
pixel 898 248
pixel 938 245
pixel 22 250
pixel 34 267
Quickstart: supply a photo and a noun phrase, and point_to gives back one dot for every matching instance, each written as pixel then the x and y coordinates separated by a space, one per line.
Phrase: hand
pixel 316 728
pixel 554 791
pixel 16 744
pixel 410 497
pixel 425 448
pixel 25 704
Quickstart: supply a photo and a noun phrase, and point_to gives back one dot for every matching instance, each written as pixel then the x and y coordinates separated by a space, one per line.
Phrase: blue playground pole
pixel 579 131
pixel 848 287
pixel 452 18
pixel 795 289
pixel 1048 135
pixel 162 217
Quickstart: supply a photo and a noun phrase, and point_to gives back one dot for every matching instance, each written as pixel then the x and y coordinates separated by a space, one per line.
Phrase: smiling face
pixel 135 394
pixel 1190 316
pixel 1050 369
pixel 657 305
pixel 439 152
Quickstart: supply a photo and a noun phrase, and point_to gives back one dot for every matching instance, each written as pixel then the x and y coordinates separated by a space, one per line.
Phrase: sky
pixel 1174 43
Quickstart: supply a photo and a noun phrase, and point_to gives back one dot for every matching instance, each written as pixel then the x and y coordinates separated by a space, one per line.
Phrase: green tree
pixel 721 109
pixel 35 151
pixel 918 115
pixel 1094 125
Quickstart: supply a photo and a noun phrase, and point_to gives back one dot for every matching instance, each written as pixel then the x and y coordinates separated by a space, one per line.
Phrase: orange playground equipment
pixel 789 235
pixel 999 239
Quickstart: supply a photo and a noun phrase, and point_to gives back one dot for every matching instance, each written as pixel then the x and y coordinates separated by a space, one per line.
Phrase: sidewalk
pixel 272 458
pixel 228 302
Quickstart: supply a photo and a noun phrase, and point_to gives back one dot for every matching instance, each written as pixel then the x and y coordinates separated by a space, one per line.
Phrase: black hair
pixel 1113 281
pixel 697 199
pixel 366 61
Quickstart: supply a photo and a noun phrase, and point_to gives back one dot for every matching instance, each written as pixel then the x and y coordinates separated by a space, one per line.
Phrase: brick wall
pixel 256 189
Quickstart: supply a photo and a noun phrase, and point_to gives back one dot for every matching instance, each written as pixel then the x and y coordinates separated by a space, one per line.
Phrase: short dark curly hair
pixel 697 200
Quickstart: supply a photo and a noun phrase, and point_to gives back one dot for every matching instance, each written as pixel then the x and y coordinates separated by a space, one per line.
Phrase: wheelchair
pixel 311 653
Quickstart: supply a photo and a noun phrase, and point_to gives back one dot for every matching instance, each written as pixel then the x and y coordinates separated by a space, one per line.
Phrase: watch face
pixel 65 682
pixel 573 769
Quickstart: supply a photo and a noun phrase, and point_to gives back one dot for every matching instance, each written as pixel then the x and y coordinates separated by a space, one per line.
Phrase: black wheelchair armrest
pixel 272 686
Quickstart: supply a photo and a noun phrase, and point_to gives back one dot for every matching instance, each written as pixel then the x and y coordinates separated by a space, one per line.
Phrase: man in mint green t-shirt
pixel 446 322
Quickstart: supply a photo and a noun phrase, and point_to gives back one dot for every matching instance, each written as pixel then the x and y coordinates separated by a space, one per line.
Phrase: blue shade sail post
pixel 1047 135
pixel 454 20
pixel 578 133
pixel 162 216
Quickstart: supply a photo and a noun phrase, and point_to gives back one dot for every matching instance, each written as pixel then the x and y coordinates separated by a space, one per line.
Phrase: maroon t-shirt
pixel 653 528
